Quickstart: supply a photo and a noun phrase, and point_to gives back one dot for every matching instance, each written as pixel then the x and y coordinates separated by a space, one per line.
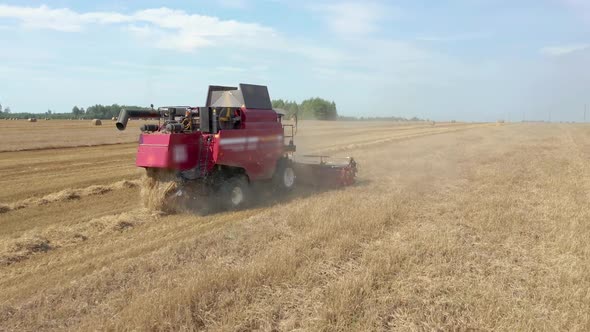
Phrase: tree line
pixel 5 110
pixel 99 111
pixel 312 108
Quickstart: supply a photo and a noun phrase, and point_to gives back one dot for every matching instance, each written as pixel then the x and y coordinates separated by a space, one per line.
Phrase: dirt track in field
pixel 450 226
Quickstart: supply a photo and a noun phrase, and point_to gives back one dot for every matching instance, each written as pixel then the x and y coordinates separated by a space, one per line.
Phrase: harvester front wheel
pixel 235 192
pixel 284 177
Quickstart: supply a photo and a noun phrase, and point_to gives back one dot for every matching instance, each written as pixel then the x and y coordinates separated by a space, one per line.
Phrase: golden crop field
pixel 449 227
pixel 21 135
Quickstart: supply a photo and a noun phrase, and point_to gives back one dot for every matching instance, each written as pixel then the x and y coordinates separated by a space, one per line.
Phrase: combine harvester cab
pixel 236 139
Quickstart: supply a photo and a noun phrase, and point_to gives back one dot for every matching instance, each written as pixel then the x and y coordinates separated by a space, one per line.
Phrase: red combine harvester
pixel 233 141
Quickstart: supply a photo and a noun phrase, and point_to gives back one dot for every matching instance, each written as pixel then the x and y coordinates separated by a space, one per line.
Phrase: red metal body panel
pixel 255 146
pixel 174 151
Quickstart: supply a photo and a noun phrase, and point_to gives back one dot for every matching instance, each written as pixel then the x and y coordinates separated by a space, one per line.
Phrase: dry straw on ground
pixel 480 228
pixel 156 187
pixel 20 135
pixel 67 194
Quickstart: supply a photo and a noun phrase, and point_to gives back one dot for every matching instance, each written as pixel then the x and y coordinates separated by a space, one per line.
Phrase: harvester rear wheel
pixel 235 192
pixel 284 177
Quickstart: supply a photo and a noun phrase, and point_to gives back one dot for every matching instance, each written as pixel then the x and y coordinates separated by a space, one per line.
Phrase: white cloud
pixel 186 32
pixel 230 69
pixel 353 18
pixel 166 28
pixel 42 17
pixel 177 30
pixel 62 19
pixel 130 66
pixel 245 69
pixel 233 4
pixel 563 49
pixel 452 38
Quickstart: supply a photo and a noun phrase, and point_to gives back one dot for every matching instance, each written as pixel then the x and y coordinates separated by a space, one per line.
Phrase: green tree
pixel 7 110
pixel 279 103
pixel 292 109
pixel 318 108
pixel 76 111
pixel 312 108
pixel 100 111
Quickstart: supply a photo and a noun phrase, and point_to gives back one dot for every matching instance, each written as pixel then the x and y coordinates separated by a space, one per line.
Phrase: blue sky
pixel 473 60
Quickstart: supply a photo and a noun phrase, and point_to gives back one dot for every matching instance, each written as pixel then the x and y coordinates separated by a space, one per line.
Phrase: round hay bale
pixel 32 120
pixel 96 122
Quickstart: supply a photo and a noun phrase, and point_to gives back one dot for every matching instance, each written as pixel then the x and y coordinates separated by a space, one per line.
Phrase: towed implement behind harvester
pixel 233 141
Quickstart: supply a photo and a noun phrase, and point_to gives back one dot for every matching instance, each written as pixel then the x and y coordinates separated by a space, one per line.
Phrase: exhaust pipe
pixel 125 115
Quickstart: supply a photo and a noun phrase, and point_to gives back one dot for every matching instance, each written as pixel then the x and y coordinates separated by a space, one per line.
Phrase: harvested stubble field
pixel 22 135
pixel 450 227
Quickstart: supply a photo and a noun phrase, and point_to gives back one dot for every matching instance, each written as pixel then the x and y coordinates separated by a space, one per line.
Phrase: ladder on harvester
pixel 203 157
pixel 288 147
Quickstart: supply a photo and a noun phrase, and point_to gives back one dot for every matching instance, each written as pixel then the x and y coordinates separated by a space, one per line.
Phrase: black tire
pixel 235 193
pixel 284 178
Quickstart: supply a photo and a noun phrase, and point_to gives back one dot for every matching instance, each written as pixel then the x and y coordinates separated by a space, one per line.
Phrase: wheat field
pixel 21 135
pixel 449 227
